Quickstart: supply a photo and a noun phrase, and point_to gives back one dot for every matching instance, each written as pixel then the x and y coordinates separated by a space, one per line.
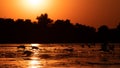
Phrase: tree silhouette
pixel 85 33
pixel 9 21
pixel 20 21
pixel 118 32
pixel 43 20
pixel 2 20
pixel 46 30
pixel 28 22
pixel 118 26
pixel 103 32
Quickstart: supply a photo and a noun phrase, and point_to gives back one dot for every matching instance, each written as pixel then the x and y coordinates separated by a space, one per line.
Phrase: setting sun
pixel 35 4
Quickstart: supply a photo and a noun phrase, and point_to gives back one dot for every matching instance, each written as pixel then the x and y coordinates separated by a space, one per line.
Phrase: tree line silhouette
pixel 45 30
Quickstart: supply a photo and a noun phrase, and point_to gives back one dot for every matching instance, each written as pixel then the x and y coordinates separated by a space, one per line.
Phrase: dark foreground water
pixel 59 56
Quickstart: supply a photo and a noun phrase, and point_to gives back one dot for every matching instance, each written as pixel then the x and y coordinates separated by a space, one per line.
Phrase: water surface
pixel 59 56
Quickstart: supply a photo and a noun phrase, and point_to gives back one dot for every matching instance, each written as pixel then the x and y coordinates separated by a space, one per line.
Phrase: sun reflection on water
pixel 36 45
pixel 35 63
pixel 32 67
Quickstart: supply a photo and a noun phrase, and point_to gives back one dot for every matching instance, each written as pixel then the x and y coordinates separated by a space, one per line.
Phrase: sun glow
pixel 35 4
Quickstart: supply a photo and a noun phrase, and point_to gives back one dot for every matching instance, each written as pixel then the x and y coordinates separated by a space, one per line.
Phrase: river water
pixel 78 55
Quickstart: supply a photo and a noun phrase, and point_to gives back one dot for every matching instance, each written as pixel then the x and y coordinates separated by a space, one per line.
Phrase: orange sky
pixel 88 12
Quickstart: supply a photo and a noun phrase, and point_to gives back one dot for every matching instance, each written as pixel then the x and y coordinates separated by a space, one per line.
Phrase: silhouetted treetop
pixel 118 26
pixel 43 20
pixel 103 28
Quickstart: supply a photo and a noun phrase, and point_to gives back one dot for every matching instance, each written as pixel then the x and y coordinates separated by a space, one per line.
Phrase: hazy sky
pixel 88 12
